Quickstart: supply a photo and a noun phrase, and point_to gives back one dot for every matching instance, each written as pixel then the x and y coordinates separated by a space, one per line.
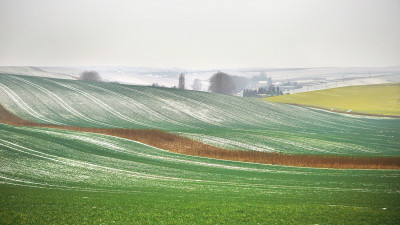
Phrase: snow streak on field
pixel 59 159
pixel 220 120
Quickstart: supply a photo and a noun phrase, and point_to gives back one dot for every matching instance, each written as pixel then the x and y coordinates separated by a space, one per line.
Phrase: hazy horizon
pixel 200 34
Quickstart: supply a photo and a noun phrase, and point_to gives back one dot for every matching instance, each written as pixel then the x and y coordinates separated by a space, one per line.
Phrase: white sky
pixel 200 34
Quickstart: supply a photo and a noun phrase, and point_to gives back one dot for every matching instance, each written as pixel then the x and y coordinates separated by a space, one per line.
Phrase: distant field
pixel 383 99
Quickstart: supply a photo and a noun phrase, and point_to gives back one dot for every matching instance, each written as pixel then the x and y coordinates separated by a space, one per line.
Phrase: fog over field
pixel 200 112
pixel 310 78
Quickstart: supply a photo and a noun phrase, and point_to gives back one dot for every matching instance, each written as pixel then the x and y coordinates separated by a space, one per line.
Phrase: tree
pixel 262 90
pixel 181 81
pixel 250 93
pixel 90 76
pixel 222 83
pixel 278 91
pixel 196 85
pixel 269 82
pixel 271 90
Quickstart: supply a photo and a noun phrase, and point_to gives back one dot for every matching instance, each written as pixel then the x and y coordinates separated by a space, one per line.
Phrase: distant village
pixel 268 88
pixel 259 86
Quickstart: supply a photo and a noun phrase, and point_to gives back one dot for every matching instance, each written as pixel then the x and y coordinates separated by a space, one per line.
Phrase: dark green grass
pixel 23 205
pixel 186 189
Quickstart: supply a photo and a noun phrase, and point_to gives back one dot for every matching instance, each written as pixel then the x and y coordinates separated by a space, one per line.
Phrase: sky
pixel 200 34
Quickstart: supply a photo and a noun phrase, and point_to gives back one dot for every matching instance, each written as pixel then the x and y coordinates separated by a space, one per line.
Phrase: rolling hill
pixel 57 176
pixel 34 71
pixel 220 120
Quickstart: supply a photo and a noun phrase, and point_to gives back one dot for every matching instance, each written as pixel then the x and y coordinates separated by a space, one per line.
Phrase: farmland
pixel 382 99
pixel 50 171
pixel 52 175
pixel 220 120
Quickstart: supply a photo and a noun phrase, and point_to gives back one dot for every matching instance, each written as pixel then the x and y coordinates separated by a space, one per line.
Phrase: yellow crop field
pixel 381 99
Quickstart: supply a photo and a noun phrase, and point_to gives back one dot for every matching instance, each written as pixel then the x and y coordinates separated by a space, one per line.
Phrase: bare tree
pixel 181 81
pixel 196 85
pixel 90 76
pixel 222 83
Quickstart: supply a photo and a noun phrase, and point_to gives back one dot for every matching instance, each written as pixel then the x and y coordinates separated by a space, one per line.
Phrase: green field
pixel 59 176
pixel 382 99
pixel 221 120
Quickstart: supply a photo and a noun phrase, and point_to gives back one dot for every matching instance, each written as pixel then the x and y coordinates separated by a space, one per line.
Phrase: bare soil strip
pixel 178 144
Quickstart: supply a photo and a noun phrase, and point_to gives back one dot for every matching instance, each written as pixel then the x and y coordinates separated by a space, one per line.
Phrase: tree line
pixel 224 83
pixel 266 91
pixel 220 82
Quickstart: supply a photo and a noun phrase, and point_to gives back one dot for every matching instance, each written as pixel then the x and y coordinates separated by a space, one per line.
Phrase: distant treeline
pixel 263 92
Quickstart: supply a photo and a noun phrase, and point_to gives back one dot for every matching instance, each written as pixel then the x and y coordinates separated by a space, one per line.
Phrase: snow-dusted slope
pixel 221 120
pixel 33 71
pixel 59 159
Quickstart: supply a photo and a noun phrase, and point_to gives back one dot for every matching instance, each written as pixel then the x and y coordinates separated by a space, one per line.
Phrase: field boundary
pixel 336 111
pixel 182 145
pixel 335 100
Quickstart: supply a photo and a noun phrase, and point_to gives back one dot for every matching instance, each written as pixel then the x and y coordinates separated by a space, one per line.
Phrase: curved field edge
pixel 332 110
pixel 182 145
pixel 219 120
pixel 382 100
pixel 59 176
pixel 223 121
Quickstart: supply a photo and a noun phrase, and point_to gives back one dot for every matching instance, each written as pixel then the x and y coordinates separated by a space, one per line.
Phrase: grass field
pixel 21 205
pixel 220 120
pixel 183 145
pixel 57 176
pixel 383 99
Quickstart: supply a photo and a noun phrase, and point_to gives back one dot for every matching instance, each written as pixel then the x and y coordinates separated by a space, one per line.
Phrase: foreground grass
pixel 381 99
pixel 22 205
pixel 77 178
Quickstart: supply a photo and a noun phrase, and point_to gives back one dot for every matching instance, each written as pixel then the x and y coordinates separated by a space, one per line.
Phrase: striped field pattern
pixel 61 159
pixel 58 176
pixel 220 120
